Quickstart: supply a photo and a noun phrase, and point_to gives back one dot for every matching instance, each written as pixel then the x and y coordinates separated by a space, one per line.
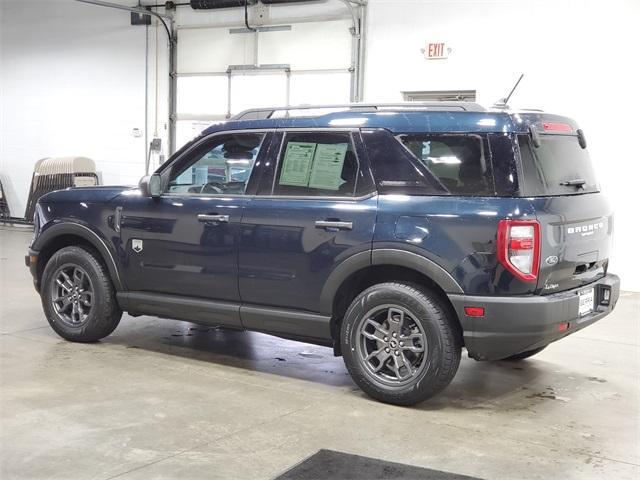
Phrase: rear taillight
pixel 518 248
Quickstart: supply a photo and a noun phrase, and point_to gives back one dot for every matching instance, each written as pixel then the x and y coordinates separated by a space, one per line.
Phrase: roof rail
pixel 269 112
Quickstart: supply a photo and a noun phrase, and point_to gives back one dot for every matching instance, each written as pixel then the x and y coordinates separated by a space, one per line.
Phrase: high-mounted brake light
pixel 518 248
pixel 557 127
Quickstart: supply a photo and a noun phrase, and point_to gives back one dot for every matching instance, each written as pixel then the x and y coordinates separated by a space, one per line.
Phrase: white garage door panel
pixel 252 91
pixel 202 95
pixel 212 50
pixel 186 130
pixel 314 45
pixel 319 88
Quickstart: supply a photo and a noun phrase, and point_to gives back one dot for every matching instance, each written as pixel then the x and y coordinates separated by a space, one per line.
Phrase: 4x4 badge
pixel 136 245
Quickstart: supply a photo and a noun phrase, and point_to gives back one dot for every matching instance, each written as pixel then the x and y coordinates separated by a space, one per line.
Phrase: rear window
pixel 459 162
pixel 560 166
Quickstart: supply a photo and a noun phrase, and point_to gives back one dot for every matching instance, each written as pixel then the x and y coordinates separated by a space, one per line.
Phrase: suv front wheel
pixel 398 343
pixel 78 297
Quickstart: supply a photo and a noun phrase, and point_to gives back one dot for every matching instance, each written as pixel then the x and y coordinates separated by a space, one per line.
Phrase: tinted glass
pixel 559 159
pixel 504 149
pixel 458 161
pixel 395 169
pixel 222 166
pixel 317 164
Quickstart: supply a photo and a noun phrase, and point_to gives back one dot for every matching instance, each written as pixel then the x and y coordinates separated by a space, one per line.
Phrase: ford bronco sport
pixel 395 234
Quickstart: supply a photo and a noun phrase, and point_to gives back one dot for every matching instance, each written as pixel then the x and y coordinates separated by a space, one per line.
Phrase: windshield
pixel 559 166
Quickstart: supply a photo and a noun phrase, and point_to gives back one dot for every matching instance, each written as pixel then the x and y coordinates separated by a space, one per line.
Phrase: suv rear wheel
pixel 398 343
pixel 78 297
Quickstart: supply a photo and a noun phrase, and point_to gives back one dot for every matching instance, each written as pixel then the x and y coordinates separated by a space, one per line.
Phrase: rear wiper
pixel 577 182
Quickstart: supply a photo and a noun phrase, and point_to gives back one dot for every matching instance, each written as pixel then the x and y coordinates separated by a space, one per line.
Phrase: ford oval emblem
pixel 552 260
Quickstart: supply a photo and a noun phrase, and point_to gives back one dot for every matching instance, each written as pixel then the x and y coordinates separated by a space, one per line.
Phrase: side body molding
pixel 385 256
pixel 178 307
pixel 404 258
pixel 339 274
pixel 77 229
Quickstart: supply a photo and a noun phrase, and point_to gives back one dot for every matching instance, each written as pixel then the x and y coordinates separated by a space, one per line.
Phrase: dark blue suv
pixel 395 234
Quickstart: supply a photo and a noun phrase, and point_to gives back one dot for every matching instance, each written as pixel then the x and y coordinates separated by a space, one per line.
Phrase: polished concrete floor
pixel 164 399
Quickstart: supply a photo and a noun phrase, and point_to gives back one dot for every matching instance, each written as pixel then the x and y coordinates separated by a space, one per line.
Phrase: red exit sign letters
pixel 434 51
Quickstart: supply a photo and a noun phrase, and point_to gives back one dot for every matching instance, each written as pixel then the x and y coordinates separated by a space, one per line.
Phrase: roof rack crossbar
pixel 267 112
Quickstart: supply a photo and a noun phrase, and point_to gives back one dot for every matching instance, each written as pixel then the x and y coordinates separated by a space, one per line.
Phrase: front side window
pixel 317 164
pixel 457 161
pixel 221 166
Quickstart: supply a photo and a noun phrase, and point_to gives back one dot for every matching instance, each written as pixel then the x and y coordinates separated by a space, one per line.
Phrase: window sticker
pixel 327 166
pixel 297 164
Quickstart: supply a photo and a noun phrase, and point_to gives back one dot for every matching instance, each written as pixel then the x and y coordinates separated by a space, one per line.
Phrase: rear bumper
pixel 513 325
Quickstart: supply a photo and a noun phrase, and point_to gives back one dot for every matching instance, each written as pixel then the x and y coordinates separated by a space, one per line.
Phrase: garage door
pixel 223 71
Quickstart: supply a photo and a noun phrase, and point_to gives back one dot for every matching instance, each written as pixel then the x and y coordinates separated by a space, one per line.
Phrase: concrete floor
pixel 164 399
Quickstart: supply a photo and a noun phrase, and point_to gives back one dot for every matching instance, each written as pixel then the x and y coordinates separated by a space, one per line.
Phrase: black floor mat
pixel 330 465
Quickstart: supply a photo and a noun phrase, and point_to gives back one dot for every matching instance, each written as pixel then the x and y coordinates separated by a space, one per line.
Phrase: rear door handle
pixel 213 218
pixel 334 225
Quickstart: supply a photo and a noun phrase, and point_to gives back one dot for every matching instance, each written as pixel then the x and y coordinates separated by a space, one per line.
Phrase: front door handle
pixel 117 219
pixel 334 225
pixel 213 218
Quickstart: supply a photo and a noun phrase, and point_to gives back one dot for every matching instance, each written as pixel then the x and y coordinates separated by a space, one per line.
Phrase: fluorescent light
pixel 347 122
pixel 487 122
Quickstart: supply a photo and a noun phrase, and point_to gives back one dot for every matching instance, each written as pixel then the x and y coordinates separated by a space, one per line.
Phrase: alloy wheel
pixel 392 345
pixel 72 295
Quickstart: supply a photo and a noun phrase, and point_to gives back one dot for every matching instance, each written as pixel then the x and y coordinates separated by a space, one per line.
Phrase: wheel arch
pixel 68 234
pixel 359 273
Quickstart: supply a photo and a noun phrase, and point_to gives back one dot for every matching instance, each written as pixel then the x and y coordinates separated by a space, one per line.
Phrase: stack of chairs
pixel 4 206
pixel 50 174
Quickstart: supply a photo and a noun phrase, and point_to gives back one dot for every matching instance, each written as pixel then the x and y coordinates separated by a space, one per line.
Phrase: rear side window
pixel 317 164
pixel 560 166
pixel 459 162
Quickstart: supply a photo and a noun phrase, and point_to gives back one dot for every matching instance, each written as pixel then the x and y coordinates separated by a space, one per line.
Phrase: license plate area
pixel 586 299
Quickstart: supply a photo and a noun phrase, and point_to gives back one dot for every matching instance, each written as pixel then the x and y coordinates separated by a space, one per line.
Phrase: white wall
pixel 579 57
pixel 72 84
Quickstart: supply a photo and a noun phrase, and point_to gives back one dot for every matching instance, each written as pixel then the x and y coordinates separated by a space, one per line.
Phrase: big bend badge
pixel 136 245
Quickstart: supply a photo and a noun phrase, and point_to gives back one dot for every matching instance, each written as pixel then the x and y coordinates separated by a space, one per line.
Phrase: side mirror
pixel 151 185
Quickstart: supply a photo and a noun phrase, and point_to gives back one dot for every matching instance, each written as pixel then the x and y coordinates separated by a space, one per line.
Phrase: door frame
pixel 165 170
pixel 280 135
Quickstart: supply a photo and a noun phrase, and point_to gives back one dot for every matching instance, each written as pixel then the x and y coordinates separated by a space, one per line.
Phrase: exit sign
pixel 435 51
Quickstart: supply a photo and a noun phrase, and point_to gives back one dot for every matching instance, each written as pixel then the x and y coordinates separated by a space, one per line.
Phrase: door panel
pixel 186 241
pixel 181 254
pixel 291 242
pixel 285 258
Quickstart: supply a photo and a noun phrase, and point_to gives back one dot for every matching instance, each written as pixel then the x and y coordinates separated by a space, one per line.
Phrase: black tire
pixel 96 309
pixel 423 316
pixel 524 355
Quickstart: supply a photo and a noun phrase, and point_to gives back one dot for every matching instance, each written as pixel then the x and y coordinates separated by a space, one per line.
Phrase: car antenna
pixel 502 103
